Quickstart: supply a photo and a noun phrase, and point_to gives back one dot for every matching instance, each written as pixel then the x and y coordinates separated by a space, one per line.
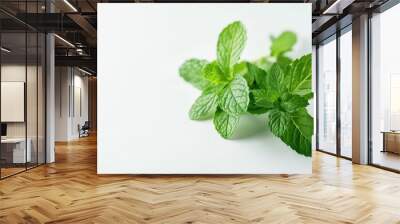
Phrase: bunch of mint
pixel 274 84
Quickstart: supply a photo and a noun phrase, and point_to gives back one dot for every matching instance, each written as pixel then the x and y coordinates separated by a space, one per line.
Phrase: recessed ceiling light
pixel 84 71
pixel 70 5
pixel 5 50
pixel 338 6
pixel 65 41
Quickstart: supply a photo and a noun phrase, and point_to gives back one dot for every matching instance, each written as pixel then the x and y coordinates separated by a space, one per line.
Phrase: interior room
pixel 52 112
pixel 22 104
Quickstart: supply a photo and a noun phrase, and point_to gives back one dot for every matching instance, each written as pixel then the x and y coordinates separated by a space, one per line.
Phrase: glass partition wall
pixel 22 91
pixel 327 96
pixel 334 94
pixel 385 90
pixel 346 93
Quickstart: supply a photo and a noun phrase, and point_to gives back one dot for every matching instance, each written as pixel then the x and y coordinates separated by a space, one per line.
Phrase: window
pixel 327 97
pixel 385 89
pixel 346 94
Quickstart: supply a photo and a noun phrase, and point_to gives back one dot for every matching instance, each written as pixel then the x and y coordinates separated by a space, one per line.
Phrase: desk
pixel 13 150
pixel 391 141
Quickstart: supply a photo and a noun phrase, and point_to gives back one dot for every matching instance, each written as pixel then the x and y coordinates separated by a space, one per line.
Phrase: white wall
pixel 143 103
pixel 69 82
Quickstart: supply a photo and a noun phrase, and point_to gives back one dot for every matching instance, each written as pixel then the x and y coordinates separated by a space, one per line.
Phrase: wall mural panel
pixel 204 88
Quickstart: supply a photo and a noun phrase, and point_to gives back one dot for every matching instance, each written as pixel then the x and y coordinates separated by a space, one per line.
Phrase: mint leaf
pixel 254 109
pixel 204 106
pixel 278 122
pixel 283 43
pixel 298 132
pixel 191 71
pixel 240 68
pixel 283 61
pixel 298 77
pixel 264 98
pixel 249 78
pixel 276 79
pixel 260 75
pixel 263 63
pixel 304 122
pixel 293 103
pixel 213 73
pixel 230 45
pixel 234 98
pixel 225 123
pixel 309 95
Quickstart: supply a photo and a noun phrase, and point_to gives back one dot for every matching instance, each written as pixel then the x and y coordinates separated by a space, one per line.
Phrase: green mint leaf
pixel 230 45
pixel 264 98
pixel 205 106
pixel 225 123
pixel 254 109
pixel 213 73
pixel 234 98
pixel 293 103
pixel 304 122
pixel 240 68
pixel 264 63
pixel 298 77
pixel 278 122
pixel 191 71
pixel 260 75
pixel 309 95
pixel 299 132
pixel 283 61
pixel 249 78
pixel 283 43
pixel 276 79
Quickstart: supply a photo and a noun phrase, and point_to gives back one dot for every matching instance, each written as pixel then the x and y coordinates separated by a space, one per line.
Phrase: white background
pixel 143 104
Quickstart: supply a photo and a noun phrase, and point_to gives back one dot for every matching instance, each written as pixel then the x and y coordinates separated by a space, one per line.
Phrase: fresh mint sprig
pixel 225 92
pixel 285 95
pixel 276 85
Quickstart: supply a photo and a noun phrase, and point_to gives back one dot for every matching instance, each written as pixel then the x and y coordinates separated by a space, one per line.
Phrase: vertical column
pixel 50 92
pixel 360 90
pixel 314 100
pixel 338 91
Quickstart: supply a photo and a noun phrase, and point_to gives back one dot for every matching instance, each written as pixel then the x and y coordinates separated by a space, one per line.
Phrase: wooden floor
pixel 387 159
pixel 69 191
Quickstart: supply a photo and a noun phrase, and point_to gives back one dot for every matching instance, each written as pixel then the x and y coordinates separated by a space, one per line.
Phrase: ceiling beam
pixel 84 24
pixel 83 61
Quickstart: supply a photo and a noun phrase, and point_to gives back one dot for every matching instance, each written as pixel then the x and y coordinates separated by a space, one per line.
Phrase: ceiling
pixel 75 21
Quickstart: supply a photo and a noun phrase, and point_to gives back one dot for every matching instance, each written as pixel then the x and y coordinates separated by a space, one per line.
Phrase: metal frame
pixel 389 4
pixel 340 31
pixel 338 98
pixel 369 106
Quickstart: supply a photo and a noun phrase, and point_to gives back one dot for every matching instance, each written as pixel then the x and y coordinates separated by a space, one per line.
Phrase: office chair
pixel 84 130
